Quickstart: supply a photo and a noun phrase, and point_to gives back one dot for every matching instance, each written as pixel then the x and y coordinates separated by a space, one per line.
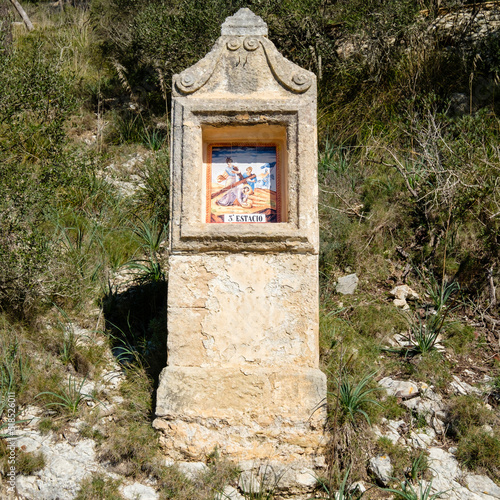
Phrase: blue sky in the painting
pixel 247 156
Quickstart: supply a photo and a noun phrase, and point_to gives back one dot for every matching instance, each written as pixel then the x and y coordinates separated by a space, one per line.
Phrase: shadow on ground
pixel 136 321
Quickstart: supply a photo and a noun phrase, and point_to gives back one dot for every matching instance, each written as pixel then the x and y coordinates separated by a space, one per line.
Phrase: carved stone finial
pixel 244 22
pixel 243 34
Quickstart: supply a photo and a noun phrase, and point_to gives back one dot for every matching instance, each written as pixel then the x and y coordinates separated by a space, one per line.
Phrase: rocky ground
pixel 70 458
pixel 447 476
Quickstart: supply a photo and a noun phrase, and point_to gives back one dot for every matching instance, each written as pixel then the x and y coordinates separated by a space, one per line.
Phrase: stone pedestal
pixel 243 356
pixel 242 374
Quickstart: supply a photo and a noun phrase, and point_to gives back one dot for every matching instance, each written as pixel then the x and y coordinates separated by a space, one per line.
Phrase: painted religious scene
pixel 243 183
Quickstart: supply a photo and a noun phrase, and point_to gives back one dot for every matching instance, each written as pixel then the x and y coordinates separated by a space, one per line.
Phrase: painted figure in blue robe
pixel 250 182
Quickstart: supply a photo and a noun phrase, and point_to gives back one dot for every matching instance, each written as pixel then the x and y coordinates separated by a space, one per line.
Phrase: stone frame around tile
pixel 189 231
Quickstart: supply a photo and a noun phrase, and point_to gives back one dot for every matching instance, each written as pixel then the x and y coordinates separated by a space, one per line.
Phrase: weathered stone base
pixel 195 439
pixel 242 394
pixel 243 310
pixel 243 375
pixel 278 457
pixel 252 414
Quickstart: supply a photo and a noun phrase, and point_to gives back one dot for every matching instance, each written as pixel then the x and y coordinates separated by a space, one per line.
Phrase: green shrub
pixel 432 368
pixel 479 450
pixel 408 464
pixel 46 425
pixel 460 337
pixel 99 487
pixel 466 413
pixel 391 409
pixel 131 443
pixel 28 463
pixel 377 320
pixel 35 101
pixel 399 455
pixel 147 42
pixel 154 198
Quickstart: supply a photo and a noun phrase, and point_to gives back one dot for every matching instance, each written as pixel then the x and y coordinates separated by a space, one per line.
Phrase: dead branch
pixel 352 210
pixel 400 168
pixel 493 294
pixel 22 13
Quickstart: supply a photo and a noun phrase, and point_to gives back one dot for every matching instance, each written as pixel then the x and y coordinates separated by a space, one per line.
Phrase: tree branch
pixel 23 14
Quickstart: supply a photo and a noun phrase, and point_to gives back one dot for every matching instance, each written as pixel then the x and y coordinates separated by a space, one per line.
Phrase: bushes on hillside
pixel 36 171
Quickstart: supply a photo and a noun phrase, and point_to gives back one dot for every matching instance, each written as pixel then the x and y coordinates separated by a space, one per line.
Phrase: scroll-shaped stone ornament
pixel 251 43
pixel 234 43
pixel 193 78
pixel 291 76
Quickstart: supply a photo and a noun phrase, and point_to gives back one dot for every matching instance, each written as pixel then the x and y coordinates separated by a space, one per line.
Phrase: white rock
pixel 398 388
pixel 229 493
pixel 395 425
pixel 346 285
pixel 246 465
pixel 306 477
pixel 438 425
pixel 443 462
pixel 403 292
pixel 66 466
pixel 382 468
pixel 357 486
pixel 429 394
pixel 30 412
pixel 401 340
pixel 401 303
pixel 422 439
pixel 482 485
pixel 27 486
pixel 138 491
pixel 29 443
pixel 392 432
pixel 463 388
pixel 192 470
pixel 488 430
pixel 392 436
pixel 88 388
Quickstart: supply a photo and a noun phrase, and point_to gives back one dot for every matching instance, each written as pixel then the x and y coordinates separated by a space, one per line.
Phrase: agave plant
pixel 151 235
pixel 353 397
pixel 68 400
pixel 346 491
pixel 408 492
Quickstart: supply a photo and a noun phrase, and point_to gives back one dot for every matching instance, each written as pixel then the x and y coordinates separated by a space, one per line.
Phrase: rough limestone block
pixel 381 467
pixel 248 394
pixel 257 310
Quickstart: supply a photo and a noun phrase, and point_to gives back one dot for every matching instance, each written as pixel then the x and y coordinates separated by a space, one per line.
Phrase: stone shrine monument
pixel 242 374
